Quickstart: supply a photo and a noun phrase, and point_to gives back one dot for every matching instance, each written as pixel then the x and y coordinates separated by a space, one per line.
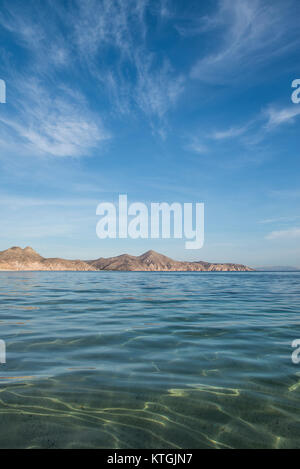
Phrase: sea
pixel 150 360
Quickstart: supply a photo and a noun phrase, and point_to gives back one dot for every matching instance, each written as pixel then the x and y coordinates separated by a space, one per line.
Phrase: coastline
pixel 27 259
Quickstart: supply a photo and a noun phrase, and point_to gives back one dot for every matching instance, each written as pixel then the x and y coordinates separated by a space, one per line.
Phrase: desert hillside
pixel 153 261
pixel 17 258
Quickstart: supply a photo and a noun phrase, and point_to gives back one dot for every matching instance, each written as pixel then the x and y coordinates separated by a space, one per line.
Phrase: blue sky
pixel 166 101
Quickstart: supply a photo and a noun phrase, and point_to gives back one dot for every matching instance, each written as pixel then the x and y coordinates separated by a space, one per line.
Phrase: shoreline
pixel 142 271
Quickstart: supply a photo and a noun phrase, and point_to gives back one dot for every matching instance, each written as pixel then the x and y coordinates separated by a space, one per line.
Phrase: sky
pixel 165 101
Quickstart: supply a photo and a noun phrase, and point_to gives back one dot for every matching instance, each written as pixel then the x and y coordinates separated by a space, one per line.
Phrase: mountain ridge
pixel 18 259
pixel 153 261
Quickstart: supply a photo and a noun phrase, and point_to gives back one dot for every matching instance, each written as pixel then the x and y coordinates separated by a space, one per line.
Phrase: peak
pixel 18 249
pixel 151 253
pixel 155 254
pixel 29 249
pixel 18 253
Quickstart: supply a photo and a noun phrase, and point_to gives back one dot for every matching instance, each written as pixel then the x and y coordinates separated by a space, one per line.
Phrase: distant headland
pixel 18 259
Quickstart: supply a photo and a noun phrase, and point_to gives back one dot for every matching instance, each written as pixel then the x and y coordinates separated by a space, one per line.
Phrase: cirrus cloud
pixel 292 233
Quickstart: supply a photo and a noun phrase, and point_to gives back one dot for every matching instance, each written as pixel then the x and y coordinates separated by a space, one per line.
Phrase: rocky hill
pixel 153 261
pixel 27 259
pixel 17 258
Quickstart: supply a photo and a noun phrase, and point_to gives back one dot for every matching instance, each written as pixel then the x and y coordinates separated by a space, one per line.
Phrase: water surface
pixel 149 360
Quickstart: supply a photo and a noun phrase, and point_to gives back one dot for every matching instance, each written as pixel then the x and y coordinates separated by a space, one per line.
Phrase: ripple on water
pixel 166 360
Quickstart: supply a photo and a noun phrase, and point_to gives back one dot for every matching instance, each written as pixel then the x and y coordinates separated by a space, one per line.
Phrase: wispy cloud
pixel 230 133
pixel 79 38
pixel 197 147
pixel 157 90
pixel 276 117
pixel 245 134
pixel 37 33
pixel 257 129
pixel 96 25
pixel 280 220
pixel 292 233
pixel 252 32
pixel 121 27
pixel 154 86
pixel 53 124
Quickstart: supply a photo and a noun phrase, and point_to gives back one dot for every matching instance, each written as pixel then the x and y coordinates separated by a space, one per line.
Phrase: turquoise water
pixel 149 360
